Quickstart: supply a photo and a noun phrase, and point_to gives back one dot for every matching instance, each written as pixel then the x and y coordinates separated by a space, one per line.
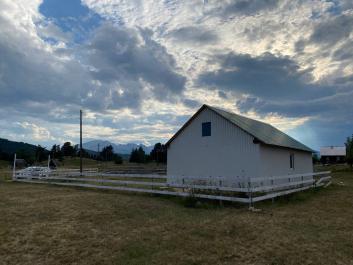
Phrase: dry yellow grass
pixel 41 224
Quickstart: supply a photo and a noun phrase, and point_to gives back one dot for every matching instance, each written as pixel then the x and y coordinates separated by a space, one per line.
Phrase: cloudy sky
pixel 140 68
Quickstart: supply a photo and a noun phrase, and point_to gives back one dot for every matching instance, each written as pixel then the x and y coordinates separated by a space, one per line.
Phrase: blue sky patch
pixel 71 16
pixel 336 8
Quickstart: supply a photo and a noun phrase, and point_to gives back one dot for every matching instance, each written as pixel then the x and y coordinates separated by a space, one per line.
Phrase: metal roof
pixel 333 151
pixel 264 132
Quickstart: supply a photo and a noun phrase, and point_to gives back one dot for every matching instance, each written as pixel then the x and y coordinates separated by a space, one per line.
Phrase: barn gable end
pixel 193 154
pixel 217 143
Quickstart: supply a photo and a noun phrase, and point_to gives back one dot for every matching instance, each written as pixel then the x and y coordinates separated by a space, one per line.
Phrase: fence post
pixel 14 169
pixel 219 193
pixel 272 182
pixel 48 166
pixel 250 193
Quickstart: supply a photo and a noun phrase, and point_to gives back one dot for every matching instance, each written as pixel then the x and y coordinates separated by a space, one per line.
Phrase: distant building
pixel 218 143
pixel 333 154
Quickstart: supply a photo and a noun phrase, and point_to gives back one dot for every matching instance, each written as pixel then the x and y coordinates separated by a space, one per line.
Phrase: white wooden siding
pixel 228 152
pixel 275 161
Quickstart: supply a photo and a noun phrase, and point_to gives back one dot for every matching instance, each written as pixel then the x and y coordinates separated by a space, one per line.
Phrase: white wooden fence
pixel 242 190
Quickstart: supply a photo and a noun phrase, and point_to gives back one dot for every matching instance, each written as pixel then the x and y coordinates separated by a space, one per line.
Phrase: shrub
pixel 118 159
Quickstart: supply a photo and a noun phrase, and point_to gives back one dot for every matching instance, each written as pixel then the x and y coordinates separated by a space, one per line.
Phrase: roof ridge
pixel 242 116
pixel 250 126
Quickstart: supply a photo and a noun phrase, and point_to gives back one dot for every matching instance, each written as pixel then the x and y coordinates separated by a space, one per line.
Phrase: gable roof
pixel 263 132
pixel 333 151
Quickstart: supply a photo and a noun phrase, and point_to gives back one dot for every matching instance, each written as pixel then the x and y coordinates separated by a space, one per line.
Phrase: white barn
pixel 218 143
pixel 333 154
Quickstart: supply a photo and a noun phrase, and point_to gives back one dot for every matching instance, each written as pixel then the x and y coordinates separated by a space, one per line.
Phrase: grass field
pixel 4 164
pixel 42 224
pixel 74 162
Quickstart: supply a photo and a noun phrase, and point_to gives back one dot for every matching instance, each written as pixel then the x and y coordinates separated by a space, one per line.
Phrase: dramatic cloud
pixel 268 84
pixel 121 63
pixel 131 61
pixel 333 30
pixel 138 69
pixel 265 76
pixel 244 7
pixel 332 106
pixel 194 35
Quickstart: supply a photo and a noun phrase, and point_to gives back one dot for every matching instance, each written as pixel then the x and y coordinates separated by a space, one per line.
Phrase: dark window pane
pixel 291 160
pixel 206 129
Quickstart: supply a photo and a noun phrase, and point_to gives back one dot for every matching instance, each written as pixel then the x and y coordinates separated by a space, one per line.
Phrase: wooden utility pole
pixel 81 142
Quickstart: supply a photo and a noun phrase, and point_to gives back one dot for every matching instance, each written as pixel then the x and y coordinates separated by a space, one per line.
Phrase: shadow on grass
pixel 298 197
pixel 294 198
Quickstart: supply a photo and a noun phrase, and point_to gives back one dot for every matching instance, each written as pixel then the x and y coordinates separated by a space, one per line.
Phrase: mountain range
pixel 11 147
pixel 117 148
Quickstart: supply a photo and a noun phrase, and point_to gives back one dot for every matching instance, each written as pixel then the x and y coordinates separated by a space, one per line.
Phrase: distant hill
pixel 118 148
pixel 11 147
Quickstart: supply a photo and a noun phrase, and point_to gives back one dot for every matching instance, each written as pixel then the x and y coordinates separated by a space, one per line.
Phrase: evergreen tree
pixel 141 155
pixel 107 153
pixel 138 155
pixel 55 152
pixel 349 150
pixel 67 149
pixel 315 158
pixel 41 153
pixel 84 153
pixel 117 159
pixel 159 153
pixel 133 156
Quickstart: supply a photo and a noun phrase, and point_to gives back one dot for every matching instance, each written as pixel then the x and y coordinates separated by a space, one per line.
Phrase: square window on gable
pixel 206 129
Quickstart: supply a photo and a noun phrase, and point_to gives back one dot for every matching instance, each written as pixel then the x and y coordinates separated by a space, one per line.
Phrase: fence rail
pixel 243 190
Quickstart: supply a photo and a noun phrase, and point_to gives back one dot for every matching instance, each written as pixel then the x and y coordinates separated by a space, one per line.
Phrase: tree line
pixel 68 150
pixel 32 154
pixel 349 150
pixel 138 155
pixel 38 154
pixel 158 154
